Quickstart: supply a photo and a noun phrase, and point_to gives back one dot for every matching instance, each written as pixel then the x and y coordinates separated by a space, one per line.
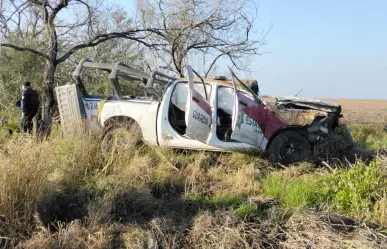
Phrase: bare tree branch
pixel 212 64
pixel 105 37
pixel 214 28
pixel 57 9
pixel 25 49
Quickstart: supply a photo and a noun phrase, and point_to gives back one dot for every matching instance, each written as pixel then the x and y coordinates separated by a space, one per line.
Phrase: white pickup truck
pixel 199 114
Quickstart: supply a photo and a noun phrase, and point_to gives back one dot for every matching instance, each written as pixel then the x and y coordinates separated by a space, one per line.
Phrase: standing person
pixel 29 104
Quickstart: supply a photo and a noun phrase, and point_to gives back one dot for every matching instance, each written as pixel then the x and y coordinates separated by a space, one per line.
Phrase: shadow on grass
pixel 140 207
pixel 65 204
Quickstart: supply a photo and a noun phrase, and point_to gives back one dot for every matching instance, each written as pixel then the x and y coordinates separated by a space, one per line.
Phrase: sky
pixel 335 49
pixel 328 48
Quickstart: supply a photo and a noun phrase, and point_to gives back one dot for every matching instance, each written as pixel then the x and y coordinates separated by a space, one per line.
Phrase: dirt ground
pixel 363 111
pixel 358 111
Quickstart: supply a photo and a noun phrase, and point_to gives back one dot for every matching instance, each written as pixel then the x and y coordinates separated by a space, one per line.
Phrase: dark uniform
pixel 29 104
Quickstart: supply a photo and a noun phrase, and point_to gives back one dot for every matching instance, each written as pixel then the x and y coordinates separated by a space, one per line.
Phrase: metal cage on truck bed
pixel 74 100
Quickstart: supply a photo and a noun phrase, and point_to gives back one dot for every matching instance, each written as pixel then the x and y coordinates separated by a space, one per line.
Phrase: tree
pixel 169 31
pixel 62 27
pixel 16 68
pixel 213 29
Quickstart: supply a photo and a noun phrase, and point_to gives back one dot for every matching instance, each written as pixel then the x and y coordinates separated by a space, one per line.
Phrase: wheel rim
pixel 290 152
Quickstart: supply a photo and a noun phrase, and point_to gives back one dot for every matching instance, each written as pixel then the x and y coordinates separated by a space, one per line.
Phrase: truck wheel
pixel 289 147
pixel 120 137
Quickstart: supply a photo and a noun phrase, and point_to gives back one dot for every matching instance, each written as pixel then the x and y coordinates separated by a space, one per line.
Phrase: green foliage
pixel 379 211
pixel 216 202
pixel 353 191
pixel 16 68
pixel 293 191
pixel 11 117
pixel 96 82
pixel 373 137
pixel 246 210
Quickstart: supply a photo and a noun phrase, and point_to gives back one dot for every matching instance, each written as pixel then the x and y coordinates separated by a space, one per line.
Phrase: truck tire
pixel 120 137
pixel 289 147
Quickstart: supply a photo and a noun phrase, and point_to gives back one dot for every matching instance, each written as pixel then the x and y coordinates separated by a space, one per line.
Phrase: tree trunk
pixel 179 66
pixel 49 77
pixel 48 108
pixel 177 55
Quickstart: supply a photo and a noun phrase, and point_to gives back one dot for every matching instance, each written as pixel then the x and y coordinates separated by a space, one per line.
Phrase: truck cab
pixel 192 114
pixel 200 114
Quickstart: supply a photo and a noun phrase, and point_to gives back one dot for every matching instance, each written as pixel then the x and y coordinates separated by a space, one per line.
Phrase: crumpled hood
pixel 301 111
pixel 306 104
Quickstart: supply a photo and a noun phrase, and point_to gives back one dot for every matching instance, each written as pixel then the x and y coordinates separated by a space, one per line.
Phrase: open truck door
pixel 248 119
pixel 198 115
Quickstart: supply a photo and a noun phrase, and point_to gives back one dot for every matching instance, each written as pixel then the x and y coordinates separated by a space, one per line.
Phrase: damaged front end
pixel 317 115
pixel 320 118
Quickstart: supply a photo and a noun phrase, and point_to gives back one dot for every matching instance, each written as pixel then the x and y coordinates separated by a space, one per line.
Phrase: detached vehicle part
pixel 195 113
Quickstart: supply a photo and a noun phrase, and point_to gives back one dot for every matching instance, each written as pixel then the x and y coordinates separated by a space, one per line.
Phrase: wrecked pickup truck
pixel 199 114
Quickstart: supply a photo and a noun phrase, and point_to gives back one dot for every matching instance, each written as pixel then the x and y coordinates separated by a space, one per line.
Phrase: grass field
pixel 363 111
pixel 60 193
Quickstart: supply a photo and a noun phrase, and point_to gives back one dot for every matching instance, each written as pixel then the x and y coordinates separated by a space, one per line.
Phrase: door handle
pixel 242 103
pixel 195 99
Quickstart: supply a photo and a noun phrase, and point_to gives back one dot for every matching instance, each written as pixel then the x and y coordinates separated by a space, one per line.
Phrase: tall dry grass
pixel 61 193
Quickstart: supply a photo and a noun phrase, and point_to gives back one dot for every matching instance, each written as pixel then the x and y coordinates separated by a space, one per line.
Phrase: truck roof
pixel 219 82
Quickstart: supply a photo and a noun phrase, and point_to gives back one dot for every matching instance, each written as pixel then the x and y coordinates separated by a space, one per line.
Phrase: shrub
pixel 372 137
pixel 379 211
pixel 293 191
pixel 353 191
pixel 247 210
